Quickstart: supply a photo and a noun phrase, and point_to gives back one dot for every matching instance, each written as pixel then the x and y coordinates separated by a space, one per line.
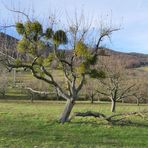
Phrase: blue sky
pixel 131 15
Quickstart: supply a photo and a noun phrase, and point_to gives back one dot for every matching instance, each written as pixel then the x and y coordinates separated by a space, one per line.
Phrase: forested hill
pixel 131 60
pixel 8 44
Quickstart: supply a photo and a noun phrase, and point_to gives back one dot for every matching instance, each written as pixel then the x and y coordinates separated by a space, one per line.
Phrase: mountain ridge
pixel 131 59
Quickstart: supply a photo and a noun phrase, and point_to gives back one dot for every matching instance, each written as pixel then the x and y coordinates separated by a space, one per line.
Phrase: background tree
pixel 141 90
pixel 36 89
pixel 90 90
pixel 3 81
pixel 116 86
pixel 41 46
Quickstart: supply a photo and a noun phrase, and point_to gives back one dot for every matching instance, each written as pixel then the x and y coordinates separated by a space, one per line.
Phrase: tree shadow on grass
pixel 105 123
pixel 134 124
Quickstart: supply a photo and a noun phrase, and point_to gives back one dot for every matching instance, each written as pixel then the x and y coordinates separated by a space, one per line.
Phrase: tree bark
pixel 113 106
pixel 138 102
pixel 32 98
pixel 92 98
pixel 67 110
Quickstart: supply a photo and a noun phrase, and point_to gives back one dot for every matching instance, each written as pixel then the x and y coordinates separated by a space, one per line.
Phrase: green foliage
pixel 40 60
pixel 91 60
pixel 81 50
pixel 49 33
pixel 20 28
pixel 81 69
pixel 37 68
pixel 30 42
pixel 61 54
pixel 60 37
pixel 59 66
pixel 23 45
pixel 34 39
pixel 49 59
pixel 94 73
pixel 40 45
pixel 42 74
pixel 33 29
pixel 18 61
pixel 37 27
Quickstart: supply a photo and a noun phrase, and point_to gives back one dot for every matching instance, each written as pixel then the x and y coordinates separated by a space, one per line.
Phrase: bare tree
pixel 90 90
pixel 141 90
pixel 3 81
pixel 117 85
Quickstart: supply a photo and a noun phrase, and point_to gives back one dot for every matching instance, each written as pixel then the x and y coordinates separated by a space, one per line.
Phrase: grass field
pixel 26 125
pixel 145 68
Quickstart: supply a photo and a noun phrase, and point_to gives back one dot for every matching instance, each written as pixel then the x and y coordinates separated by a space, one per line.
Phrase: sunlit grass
pixel 23 124
pixel 145 68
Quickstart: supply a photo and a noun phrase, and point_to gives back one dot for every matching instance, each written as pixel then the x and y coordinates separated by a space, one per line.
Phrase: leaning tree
pixel 42 48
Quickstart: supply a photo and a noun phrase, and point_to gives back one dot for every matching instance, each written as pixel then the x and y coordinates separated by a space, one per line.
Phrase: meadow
pixel 35 125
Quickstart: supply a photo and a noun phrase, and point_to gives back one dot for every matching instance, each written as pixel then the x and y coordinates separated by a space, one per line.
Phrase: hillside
pixel 8 45
pixel 130 60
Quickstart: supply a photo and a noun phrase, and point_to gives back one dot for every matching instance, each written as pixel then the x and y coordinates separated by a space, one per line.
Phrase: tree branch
pixel 126 91
pixel 105 33
pixel 81 83
pixel 36 91
pixel 103 93
pixel 17 11
pixel 5 27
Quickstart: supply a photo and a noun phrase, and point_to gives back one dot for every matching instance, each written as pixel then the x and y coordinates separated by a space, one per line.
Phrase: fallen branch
pixel 111 118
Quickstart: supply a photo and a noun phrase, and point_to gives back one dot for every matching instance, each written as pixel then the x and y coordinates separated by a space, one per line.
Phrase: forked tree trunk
pixel 113 106
pixel 67 110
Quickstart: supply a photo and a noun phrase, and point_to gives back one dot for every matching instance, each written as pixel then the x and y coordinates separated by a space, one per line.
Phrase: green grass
pixel 26 125
pixel 145 68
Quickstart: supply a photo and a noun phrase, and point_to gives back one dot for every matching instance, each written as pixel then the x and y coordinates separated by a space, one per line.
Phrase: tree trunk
pixel 32 100
pixel 138 102
pixel 4 93
pixel 31 97
pixel 67 110
pixel 92 98
pixel 113 106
